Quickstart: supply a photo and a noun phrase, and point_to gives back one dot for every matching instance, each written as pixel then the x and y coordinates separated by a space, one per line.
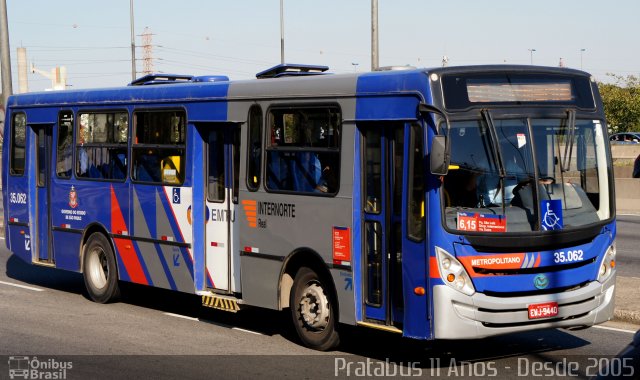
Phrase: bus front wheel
pixel 99 269
pixel 313 311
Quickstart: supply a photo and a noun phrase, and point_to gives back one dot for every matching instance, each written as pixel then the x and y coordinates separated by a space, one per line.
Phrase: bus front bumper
pixel 458 316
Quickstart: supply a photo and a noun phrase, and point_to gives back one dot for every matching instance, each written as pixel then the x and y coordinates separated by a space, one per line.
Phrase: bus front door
pixel 382 157
pixel 43 253
pixel 222 155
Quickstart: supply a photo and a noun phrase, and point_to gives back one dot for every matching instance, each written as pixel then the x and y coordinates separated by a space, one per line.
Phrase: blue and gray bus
pixel 447 203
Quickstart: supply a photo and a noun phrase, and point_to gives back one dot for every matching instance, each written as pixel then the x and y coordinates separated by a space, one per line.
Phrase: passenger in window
pixel 148 168
pixel 306 172
pixel 328 182
pixel 84 161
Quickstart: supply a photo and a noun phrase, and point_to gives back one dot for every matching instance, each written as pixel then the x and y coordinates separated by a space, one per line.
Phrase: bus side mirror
pixel 440 151
pixel 439 157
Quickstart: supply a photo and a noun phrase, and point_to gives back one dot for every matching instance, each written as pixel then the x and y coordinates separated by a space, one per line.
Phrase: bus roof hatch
pixel 157 78
pixel 291 69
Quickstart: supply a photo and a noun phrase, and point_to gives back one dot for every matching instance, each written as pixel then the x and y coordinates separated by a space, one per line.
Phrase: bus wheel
pixel 99 269
pixel 313 311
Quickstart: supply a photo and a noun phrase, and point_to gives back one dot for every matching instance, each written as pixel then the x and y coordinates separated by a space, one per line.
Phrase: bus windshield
pixel 526 174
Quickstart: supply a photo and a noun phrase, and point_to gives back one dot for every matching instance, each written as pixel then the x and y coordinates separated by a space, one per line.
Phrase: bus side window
pixel 254 150
pixel 101 150
pixel 158 150
pixel 18 130
pixel 304 142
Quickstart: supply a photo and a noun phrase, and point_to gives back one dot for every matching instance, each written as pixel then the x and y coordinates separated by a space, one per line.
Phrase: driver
pixel 488 187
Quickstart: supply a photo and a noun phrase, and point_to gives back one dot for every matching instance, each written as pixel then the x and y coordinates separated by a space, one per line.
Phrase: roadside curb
pixel 623 315
pixel 627 300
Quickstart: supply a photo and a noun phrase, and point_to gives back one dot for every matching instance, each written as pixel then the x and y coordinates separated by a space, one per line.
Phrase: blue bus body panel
pixel 403 92
pixel 137 95
pixel 581 264
pixel 138 217
pixel 92 206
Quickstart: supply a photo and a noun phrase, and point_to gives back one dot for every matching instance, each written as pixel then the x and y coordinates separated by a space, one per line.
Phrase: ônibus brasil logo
pixel 24 367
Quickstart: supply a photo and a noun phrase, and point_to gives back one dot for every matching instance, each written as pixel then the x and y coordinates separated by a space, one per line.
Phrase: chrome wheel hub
pixel 314 307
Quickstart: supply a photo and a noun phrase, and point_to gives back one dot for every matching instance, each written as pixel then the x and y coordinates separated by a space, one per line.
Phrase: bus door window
pixel 373 170
pixel 216 177
pixel 372 204
pixel 374 255
pixel 42 156
pixel 64 156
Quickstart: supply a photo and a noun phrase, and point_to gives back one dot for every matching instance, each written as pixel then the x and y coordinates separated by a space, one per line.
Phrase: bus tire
pixel 100 270
pixel 313 311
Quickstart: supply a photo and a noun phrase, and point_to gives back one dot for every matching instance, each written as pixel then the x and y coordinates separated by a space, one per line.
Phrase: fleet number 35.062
pixel 568 257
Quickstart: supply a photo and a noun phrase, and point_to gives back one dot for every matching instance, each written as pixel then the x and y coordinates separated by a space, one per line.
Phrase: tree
pixel 621 102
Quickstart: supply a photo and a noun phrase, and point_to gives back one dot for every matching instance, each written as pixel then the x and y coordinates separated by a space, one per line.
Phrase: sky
pixel 92 39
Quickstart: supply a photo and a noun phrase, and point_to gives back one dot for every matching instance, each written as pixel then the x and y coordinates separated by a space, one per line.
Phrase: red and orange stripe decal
pixel 124 246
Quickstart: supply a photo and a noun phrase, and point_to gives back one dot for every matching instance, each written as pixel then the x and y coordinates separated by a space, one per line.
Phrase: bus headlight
pixel 608 264
pixel 453 273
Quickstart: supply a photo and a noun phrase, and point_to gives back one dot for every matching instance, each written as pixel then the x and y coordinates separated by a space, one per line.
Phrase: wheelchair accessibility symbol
pixel 552 214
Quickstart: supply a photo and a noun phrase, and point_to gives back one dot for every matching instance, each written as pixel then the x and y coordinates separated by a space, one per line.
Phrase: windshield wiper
pixel 496 150
pixel 568 145
pixel 495 146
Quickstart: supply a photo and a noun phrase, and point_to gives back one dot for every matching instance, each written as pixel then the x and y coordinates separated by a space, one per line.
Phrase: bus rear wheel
pixel 100 270
pixel 313 311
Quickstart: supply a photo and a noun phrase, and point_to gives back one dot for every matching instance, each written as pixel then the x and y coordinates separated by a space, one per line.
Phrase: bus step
pixel 376 326
pixel 221 303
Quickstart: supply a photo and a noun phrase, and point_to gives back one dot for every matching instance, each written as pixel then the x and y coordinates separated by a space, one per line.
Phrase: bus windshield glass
pixel 532 174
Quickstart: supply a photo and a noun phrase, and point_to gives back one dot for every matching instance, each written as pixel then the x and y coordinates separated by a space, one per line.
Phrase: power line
pixel 203 67
pixel 200 54
pixel 66 48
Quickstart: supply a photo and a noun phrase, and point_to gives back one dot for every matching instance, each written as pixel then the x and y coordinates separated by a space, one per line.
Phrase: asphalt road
pixel 152 333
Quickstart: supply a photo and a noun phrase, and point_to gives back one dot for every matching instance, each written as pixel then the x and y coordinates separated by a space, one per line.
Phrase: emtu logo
pixel 251 211
pixel 541 281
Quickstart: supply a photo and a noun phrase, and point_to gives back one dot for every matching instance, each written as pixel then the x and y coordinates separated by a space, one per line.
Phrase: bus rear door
pixel 44 254
pixel 221 197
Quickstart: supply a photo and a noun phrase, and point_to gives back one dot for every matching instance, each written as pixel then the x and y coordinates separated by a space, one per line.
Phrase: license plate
pixel 543 310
